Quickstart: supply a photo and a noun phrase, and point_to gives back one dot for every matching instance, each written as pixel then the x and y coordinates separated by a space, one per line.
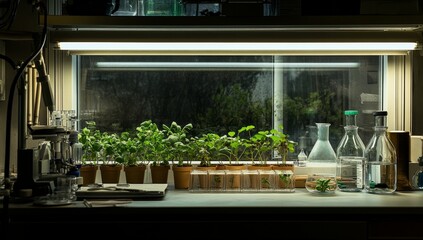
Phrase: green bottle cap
pixel 351 112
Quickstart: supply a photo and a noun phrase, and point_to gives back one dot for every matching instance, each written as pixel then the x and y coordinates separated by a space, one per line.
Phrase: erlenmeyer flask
pixel 322 151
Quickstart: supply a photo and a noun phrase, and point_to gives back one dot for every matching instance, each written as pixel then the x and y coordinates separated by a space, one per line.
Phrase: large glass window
pixel 224 93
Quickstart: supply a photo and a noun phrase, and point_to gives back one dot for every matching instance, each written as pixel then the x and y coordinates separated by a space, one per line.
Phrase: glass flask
pixel 350 156
pixel 381 159
pixel 417 180
pixel 302 156
pixel 322 151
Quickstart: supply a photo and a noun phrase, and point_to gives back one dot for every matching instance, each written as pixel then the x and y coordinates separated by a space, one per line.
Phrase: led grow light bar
pixel 237 48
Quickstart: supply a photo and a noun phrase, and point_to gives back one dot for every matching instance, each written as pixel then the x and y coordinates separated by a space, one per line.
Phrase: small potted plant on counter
pixel 90 138
pixel 179 149
pixel 281 146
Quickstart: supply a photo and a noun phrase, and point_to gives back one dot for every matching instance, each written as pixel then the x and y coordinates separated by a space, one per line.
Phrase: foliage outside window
pixel 238 91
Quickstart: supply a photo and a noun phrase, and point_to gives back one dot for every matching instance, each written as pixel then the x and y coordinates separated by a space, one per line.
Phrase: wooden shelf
pixel 266 29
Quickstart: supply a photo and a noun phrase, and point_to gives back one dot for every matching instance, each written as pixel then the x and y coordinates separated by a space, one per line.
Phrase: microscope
pixel 39 167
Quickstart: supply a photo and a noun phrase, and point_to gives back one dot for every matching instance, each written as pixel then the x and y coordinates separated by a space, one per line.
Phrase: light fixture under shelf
pixel 241 48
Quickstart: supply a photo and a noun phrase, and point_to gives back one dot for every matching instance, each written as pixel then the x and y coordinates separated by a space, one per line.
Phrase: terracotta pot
pixel 285 183
pixel 159 173
pixel 135 174
pixel 233 179
pixel 182 176
pixel 283 166
pixel 110 173
pixel 204 183
pixel 258 181
pixel 87 172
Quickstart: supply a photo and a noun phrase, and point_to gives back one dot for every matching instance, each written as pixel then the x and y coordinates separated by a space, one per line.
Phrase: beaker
pixel 322 150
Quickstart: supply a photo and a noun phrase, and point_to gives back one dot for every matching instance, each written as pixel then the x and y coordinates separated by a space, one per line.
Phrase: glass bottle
pixel 76 150
pixel 417 180
pixel 322 151
pixel 350 156
pixel 381 159
pixel 302 156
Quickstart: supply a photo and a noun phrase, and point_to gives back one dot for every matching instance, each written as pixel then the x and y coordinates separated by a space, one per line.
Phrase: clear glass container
pixel 322 151
pixel 302 156
pixel 77 153
pixel 350 156
pixel 127 8
pixel 417 179
pixel 381 159
pixel 323 183
pixel 284 181
pixel 162 8
pixel 197 8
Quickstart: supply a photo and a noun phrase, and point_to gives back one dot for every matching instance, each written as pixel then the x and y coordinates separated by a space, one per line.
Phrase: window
pixel 224 93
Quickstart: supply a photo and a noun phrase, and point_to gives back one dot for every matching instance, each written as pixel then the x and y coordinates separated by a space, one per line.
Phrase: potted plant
pixel 127 152
pixel 110 167
pixel 252 147
pixel 237 145
pixel 155 151
pixel 177 143
pixel 90 138
pixel 259 147
pixel 282 146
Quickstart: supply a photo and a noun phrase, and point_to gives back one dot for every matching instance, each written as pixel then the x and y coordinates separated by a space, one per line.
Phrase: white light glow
pixel 236 46
pixel 226 65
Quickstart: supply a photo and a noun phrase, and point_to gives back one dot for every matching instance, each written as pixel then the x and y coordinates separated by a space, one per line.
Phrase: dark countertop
pixel 369 214
pixel 285 201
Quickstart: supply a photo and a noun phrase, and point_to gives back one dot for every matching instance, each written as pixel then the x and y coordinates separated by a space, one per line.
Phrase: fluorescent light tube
pixel 129 65
pixel 236 46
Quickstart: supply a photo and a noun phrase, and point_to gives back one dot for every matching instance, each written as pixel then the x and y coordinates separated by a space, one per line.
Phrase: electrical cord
pixel 9 60
pixel 39 7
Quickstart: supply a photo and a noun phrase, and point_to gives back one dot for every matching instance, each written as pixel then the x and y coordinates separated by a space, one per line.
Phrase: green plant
pixel 177 143
pixel 150 144
pixel 259 146
pixel 323 184
pixel 126 149
pixel 265 182
pixel 90 137
pixel 149 139
pixel 202 153
pixel 108 152
pixel 285 178
pixel 281 144
pixel 237 144
pixel 216 146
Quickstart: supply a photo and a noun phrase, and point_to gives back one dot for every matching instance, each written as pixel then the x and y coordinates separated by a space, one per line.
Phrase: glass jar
pixel 323 183
pixel 381 159
pixel 127 8
pixel 350 156
pixel 417 180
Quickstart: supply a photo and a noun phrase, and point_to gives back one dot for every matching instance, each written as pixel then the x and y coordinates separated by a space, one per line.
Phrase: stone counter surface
pixel 350 215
